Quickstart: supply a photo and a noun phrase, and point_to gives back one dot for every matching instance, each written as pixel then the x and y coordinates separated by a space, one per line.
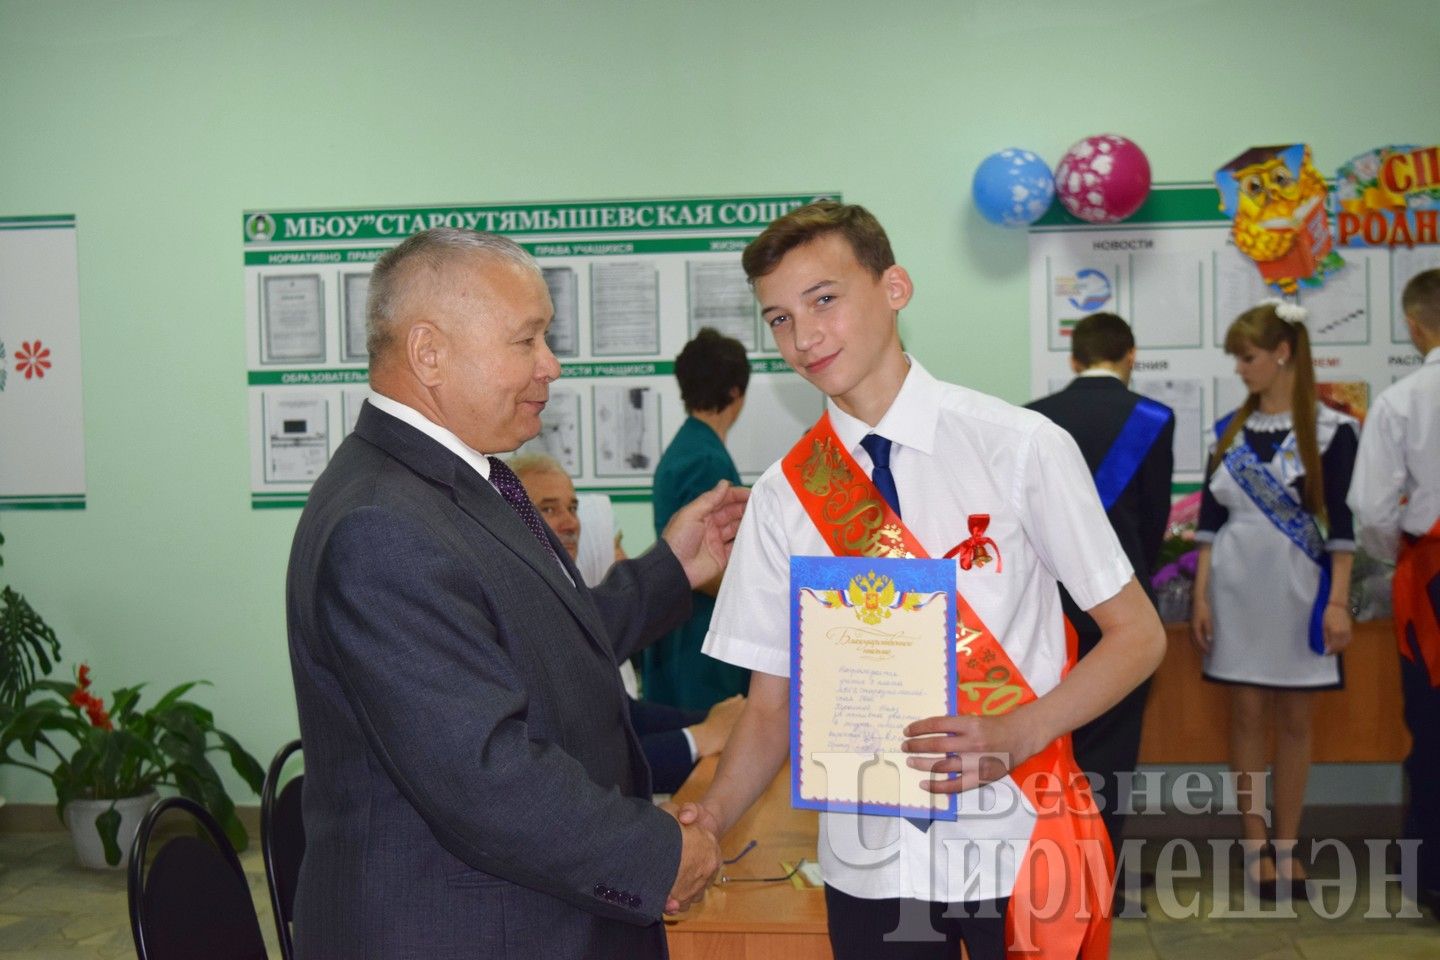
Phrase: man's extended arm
pixel 639 600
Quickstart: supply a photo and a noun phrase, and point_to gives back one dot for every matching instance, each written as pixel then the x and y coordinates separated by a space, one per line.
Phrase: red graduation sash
pixel 1417 566
pixel 1060 906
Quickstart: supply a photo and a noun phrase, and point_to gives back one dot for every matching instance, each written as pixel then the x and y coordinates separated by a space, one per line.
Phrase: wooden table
pixel 1187 719
pixel 756 921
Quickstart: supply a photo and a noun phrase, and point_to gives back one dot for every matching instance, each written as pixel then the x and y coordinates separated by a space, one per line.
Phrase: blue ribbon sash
pixel 1289 517
pixel 1128 451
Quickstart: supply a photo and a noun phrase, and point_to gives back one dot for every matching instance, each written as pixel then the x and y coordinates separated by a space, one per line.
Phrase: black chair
pixel 193 899
pixel 282 842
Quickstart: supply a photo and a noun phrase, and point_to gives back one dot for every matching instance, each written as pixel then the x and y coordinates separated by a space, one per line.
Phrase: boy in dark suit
pixel 1127 441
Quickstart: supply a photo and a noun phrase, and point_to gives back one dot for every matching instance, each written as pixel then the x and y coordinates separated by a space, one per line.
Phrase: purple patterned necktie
pixel 513 491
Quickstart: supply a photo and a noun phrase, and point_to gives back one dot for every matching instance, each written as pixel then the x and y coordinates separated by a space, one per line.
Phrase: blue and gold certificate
pixel 871 644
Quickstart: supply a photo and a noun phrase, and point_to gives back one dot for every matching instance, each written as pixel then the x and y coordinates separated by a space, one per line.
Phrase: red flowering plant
pixel 122 751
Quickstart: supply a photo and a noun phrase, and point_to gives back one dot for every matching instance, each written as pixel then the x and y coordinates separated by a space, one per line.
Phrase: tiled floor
pixel 51 909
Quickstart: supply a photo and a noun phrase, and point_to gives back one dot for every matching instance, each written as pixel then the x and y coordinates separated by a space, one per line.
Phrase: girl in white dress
pixel 1272 586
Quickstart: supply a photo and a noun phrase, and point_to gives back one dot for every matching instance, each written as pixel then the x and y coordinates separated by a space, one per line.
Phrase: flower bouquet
pixel 1175 577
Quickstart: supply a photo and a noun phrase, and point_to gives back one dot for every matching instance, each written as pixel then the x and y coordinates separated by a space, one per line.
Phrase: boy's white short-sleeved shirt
pixel 1396 485
pixel 955 452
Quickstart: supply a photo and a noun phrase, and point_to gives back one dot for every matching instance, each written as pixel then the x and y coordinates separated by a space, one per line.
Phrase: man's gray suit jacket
pixel 473 786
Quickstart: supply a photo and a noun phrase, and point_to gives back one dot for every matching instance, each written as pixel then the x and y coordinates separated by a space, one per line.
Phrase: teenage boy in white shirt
pixel 966 468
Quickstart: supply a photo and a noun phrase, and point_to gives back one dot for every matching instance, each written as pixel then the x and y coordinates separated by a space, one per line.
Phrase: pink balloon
pixel 1103 179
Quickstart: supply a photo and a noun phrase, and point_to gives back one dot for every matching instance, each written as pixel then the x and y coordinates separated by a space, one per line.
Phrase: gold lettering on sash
pixel 890 542
pixel 1002 696
pixel 824 469
pixel 964 637
pixel 857 517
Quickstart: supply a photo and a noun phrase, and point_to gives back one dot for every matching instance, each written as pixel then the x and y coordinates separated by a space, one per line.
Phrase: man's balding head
pixel 413 273
pixel 456 330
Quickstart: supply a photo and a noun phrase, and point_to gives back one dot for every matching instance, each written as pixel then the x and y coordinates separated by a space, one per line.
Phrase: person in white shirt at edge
pixel 830 290
pixel 1395 497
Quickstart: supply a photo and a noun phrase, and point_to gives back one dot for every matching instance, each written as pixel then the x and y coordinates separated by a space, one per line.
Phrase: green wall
pixel 156 123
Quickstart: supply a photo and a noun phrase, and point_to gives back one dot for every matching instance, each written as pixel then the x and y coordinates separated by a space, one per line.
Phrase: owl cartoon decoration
pixel 1276 197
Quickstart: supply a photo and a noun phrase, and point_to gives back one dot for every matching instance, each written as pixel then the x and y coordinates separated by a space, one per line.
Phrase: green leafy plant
pixel 124 751
pixel 28 647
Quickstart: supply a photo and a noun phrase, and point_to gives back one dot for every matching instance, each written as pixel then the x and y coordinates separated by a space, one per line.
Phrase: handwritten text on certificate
pixel 872 646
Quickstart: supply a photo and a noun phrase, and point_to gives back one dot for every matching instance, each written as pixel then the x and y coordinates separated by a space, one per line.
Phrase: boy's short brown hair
pixel 1101 338
pixel 814 220
pixel 1421 299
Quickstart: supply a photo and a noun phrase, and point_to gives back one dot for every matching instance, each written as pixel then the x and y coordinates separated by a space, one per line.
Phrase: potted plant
pixel 28 647
pixel 109 762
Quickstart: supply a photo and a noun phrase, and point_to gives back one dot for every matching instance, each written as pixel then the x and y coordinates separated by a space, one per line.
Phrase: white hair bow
pixel 1286 310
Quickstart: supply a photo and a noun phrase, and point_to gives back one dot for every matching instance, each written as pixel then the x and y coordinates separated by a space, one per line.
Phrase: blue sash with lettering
pixel 1288 516
pixel 1128 451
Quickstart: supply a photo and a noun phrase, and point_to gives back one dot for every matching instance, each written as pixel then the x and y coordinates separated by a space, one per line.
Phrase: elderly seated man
pixel 673 739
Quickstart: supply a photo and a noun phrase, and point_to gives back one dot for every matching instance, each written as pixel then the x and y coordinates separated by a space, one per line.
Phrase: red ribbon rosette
pixel 972 551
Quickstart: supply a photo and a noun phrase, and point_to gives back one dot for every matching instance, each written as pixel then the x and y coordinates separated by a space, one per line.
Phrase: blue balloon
pixel 1013 188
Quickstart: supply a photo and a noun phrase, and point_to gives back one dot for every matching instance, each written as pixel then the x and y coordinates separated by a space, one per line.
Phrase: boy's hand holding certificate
pixel 872 650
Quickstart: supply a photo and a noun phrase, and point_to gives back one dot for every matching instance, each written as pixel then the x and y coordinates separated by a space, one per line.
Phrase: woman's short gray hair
pixel 418 261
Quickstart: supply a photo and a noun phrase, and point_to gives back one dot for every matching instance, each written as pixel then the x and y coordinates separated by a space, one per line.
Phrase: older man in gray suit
pixel 473 785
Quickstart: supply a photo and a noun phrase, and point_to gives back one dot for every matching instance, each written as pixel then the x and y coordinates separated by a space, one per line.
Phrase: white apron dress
pixel 1262 586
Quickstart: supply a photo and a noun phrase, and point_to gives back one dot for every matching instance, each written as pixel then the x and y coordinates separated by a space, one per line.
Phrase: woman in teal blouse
pixel 713 372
